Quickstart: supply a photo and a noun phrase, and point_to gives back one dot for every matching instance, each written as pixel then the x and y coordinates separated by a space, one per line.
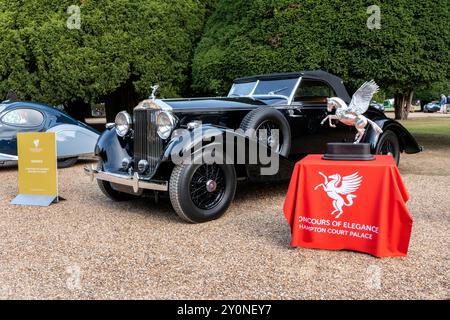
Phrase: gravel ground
pixel 88 247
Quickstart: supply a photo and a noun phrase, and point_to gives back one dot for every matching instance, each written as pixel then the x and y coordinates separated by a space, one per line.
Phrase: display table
pixel 353 205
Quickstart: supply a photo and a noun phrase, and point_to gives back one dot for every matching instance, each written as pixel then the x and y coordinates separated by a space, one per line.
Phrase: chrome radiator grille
pixel 147 144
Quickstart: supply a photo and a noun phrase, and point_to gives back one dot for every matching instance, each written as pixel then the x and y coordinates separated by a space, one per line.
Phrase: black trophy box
pixel 348 151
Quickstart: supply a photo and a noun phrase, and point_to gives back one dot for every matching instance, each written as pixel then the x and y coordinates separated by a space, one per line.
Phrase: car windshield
pixel 242 89
pixel 280 88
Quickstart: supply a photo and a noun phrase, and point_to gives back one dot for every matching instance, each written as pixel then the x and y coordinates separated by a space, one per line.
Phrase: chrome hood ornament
pixel 154 89
pixel 153 103
pixel 150 103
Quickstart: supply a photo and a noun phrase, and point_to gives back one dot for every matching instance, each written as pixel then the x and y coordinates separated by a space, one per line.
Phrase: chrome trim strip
pixel 291 98
pixel 7 157
pixel 126 180
pixel 250 95
pixel 231 90
pixel 274 96
pixel 192 99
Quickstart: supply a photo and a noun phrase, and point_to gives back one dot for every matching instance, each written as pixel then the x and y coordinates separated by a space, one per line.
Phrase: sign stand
pixel 38 173
pixel 32 200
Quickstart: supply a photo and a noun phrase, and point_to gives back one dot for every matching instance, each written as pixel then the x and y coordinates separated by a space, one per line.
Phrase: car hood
pixel 214 104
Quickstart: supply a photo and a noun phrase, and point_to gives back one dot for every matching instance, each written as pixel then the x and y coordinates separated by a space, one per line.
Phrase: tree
pixel 432 92
pixel 121 48
pixel 246 37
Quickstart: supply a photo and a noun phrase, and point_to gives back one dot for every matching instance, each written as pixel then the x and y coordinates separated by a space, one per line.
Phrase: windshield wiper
pixel 272 93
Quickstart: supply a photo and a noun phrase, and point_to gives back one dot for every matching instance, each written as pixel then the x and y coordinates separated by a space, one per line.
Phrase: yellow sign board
pixel 38 173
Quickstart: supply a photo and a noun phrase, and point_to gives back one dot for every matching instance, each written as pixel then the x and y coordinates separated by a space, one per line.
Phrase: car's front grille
pixel 147 144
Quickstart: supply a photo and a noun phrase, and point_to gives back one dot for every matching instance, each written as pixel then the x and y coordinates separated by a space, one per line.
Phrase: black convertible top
pixel 335 82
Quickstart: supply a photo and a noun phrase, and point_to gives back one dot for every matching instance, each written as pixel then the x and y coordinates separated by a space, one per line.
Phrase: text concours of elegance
pixel 346 228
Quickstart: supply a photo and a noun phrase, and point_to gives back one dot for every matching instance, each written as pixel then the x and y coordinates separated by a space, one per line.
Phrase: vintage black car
pixel 136 153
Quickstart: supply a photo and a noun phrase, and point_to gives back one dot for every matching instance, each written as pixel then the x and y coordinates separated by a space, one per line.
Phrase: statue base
pixel 349 151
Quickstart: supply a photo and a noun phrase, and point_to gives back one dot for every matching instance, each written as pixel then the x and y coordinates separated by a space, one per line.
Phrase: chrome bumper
pixel 126 180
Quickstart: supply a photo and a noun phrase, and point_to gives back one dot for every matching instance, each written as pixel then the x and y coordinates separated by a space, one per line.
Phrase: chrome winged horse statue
pixel 352 115
pixel 337 187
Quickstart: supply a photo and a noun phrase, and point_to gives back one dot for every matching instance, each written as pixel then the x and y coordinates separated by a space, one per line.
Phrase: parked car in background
pixel 378 106
pixel 74 138
pixel 432 107
pixel 389 104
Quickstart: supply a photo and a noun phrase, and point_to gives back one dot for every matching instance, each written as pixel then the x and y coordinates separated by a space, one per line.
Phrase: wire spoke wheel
pixel 269 138
pixel 207 187
pixel 201 193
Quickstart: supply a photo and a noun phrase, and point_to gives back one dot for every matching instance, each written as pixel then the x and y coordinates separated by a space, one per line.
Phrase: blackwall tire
pixel 254 119
pixel 108 190
pixel 67 163
pixel 185 178
pixel 389 144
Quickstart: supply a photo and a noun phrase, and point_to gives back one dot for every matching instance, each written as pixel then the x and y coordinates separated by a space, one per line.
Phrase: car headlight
pixel 123 123
pixel 166 123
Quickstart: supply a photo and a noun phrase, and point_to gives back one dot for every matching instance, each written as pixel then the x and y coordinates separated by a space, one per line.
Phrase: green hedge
pixel 245 37
pixel 145 41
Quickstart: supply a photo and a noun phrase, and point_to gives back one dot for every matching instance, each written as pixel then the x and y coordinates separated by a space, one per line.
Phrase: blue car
pixel 432 107
pixel 74 138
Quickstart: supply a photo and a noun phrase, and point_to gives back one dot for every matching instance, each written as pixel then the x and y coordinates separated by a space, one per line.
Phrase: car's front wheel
pixel 109 191
pixel 201 193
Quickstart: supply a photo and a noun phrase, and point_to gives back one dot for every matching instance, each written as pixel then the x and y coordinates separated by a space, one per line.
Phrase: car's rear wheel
pixel 67 162
pixel 201 193
pixel 109 191
pixel 270 119
pixel 389 145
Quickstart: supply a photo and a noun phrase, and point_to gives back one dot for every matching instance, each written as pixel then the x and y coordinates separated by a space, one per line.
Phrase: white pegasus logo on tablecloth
pixel 337 187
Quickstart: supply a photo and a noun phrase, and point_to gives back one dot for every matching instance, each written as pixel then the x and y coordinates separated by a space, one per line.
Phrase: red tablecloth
pixel 354 205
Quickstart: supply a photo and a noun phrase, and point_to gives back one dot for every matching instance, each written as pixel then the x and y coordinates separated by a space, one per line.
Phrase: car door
pixel 309 108
pixel 13 121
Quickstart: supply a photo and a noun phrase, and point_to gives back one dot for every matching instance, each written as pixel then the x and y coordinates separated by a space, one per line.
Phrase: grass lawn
pixel 434 135
pixel 428 126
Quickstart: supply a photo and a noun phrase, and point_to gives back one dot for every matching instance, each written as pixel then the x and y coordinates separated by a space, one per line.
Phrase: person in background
pixel 447 107
pixel 443 102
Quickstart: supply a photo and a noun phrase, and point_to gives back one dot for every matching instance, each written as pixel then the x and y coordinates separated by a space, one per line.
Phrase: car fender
pixel 408 143
pixel 112 149
pixel 74 140
pixel 195 142
pixel 7 157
